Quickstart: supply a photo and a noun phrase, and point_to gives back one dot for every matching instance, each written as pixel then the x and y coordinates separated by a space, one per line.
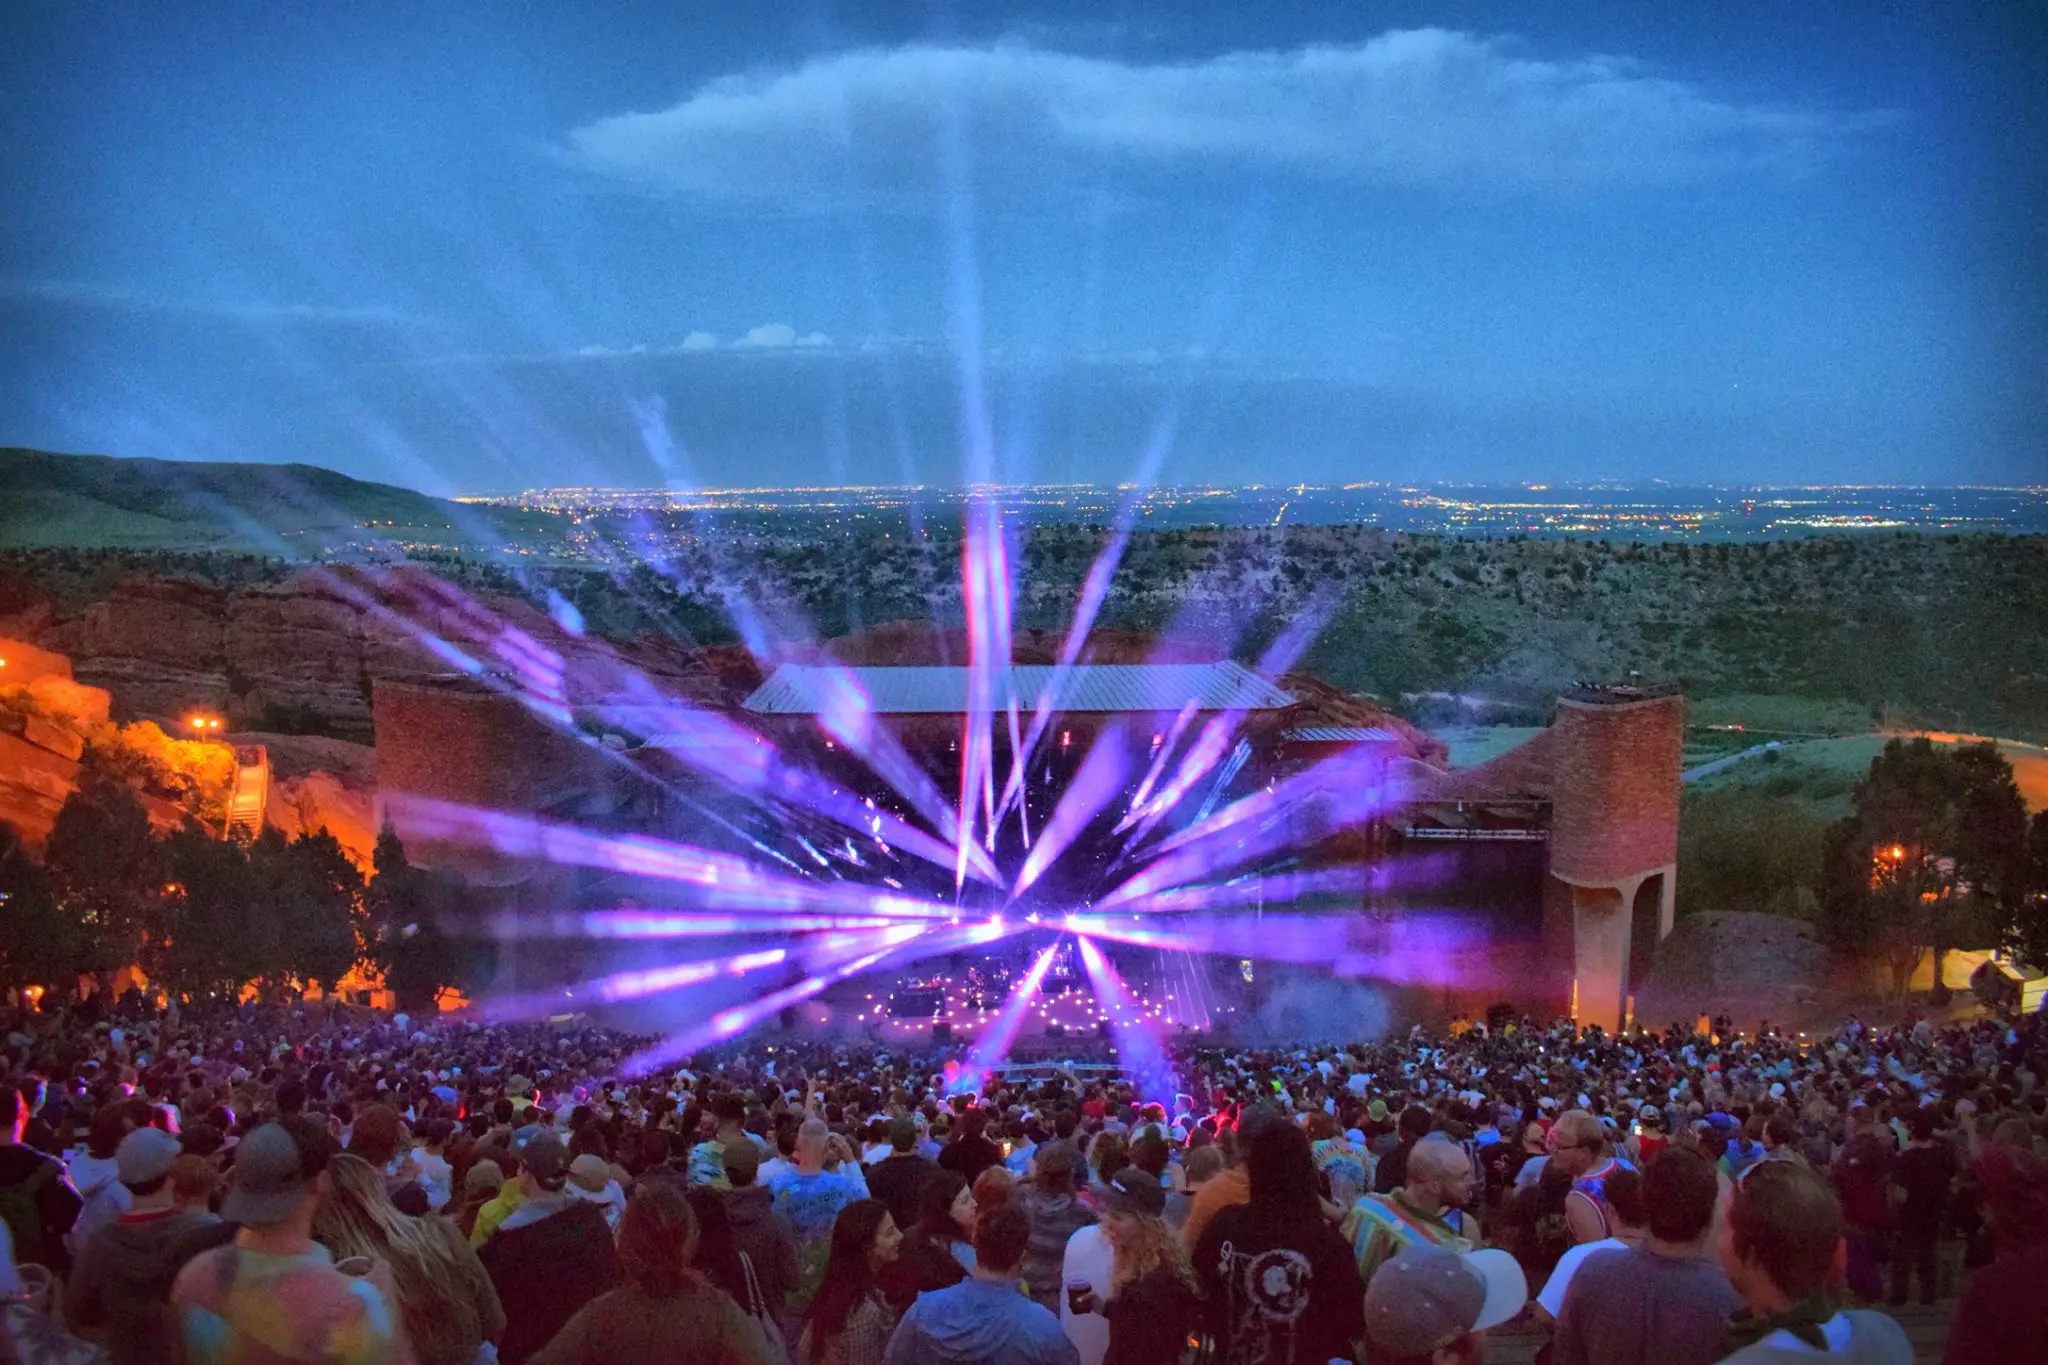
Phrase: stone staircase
pixel 251 793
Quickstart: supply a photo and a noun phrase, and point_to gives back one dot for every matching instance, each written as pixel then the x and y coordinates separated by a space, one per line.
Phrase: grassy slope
pixel 1816 636
pixel 52 500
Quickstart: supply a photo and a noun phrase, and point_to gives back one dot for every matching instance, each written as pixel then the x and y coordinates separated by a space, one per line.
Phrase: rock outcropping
pixel 301 655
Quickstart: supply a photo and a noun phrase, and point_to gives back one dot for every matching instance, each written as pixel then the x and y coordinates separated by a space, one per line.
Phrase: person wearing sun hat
pixel 590 1180
pixel 275 1293
pixel 1430 1305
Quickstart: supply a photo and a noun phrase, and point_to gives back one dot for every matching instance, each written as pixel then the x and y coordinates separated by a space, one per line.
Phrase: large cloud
pixel 1421 106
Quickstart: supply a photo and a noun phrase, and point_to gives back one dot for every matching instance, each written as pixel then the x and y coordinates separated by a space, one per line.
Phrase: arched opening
pixel 1643 926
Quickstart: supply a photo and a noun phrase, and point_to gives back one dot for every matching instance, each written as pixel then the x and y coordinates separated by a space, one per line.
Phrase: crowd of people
pixel 309 1185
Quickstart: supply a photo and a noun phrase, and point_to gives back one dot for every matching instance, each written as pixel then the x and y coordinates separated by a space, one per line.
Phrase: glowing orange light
pixel 1896 852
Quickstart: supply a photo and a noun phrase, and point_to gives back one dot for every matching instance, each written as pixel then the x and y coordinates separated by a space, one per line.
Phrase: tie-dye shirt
pixel 812 1204
pixel 237 1307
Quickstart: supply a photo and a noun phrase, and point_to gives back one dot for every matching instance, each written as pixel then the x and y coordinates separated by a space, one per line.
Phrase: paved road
pixel 1704 769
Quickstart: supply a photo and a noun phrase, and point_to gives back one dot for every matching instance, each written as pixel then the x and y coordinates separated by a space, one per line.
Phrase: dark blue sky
pixel 486 247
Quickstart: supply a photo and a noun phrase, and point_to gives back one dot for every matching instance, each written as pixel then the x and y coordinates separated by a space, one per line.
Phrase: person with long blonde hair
pixel 446 1299
pixel 1152 1295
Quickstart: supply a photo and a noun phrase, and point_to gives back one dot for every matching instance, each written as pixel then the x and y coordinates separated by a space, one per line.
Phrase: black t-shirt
pixel 1279 1287
pixel 1392 1172
pixel 895 1180
pixel 547 1269
pixel 1149 1320
pixel 1924 1174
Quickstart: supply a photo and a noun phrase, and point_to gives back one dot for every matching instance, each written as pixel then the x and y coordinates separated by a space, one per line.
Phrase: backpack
pixel 21 1209
pixel 756 1307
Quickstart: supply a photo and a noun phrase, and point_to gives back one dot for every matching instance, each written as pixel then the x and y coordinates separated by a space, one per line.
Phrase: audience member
pixel 1779 1247
pixel 663 1309
pixel 1431 1305
pixel 1659 1302
pixel 447 1302
pixel 984 1320
pixel 849 1322
pixel 275 1294
pixel 551 1256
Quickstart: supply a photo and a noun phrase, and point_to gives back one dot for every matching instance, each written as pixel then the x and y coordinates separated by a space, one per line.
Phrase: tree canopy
pixel 203 917
pixel 1933 855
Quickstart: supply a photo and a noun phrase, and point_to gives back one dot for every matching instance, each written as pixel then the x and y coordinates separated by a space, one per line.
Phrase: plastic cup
pixel 356 1266
pixel 1080 1295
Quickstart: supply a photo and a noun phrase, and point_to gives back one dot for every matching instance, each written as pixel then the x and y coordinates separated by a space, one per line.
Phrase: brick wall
pixel 1614 788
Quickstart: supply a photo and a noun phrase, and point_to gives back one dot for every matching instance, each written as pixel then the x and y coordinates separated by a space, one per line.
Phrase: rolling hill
pixel 293 510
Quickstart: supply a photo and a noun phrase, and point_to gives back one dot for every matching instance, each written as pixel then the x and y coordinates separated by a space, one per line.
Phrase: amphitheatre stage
pixel 1542 878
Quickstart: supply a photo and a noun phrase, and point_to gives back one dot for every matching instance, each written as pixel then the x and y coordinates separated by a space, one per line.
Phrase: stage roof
pixel 802 690
pixel 1342 734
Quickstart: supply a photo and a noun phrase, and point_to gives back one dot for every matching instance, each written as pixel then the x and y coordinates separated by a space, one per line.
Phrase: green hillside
pixel 79 501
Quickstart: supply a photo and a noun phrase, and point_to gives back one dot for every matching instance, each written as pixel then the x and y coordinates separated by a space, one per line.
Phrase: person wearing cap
pixel 1048 1197
pixel 482 1183
pixel 121 1281
pixel 1150 1296
pixel 500 1206
pixel 551 1256
pixel 896 1178
pixel 759 1233
pixel 1430 1305
pixel 1780 1245
pixel 1428 1210
pixel 274 1294
pixel 1646 1136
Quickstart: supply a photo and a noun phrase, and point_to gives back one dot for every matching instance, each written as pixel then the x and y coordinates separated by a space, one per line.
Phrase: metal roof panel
pixel 798 689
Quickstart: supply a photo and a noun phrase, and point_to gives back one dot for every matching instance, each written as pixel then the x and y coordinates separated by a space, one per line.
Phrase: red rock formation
pixel 305 653
pixel 321 800
pixel 34 782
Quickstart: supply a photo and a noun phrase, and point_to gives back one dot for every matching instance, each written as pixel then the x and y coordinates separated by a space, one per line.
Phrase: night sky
pixel 483 247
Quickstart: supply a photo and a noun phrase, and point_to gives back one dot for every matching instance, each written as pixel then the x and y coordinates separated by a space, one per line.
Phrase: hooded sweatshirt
pixel 767 1240
pixel 979 1322
pixel 549 1259
pixel 123 1278
pixel 106 1198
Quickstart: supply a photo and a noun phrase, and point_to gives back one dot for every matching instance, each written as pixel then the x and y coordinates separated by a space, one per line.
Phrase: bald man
pixel 1427 1210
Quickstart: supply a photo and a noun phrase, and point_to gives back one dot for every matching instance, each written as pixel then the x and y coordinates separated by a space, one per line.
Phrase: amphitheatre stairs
pixel 1926 1328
